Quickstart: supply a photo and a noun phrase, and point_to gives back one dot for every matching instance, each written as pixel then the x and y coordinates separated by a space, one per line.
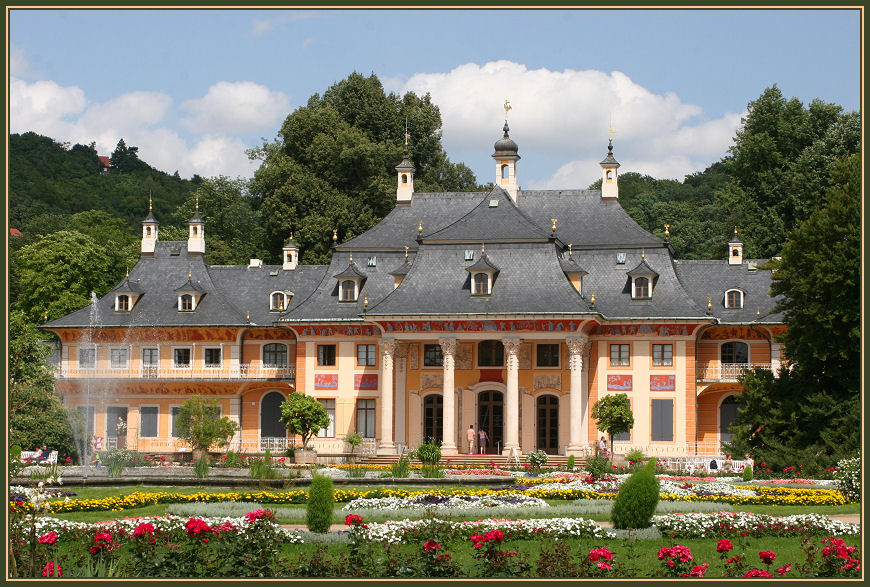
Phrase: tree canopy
pixel 613 413
pixel 200 424
pixel 303 415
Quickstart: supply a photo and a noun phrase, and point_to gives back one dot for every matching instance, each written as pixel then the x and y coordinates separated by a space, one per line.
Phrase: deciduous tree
pixel 303 415
pixel 613 413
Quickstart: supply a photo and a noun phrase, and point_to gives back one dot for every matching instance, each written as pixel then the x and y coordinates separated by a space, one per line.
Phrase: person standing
pixel 483 438
pixel 469 436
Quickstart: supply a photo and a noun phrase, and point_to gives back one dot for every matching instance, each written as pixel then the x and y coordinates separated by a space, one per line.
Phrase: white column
pixel 512 398
pixel 386 446
pixel 448 350
pixel 578 422
pixel 401 376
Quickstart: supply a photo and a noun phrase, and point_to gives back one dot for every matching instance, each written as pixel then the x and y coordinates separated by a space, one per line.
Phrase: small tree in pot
pixel 303 415
pixel 613 413
pixel 200 425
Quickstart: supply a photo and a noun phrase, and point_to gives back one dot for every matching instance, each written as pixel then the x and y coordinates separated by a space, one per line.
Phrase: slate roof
pixel 483 264
pixel 495 217
pixel 230 293
pixel 713 278
pixel 530 281
pixel 569 265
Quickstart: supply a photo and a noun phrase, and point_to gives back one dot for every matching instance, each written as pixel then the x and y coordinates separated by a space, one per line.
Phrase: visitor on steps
pixel 483 439
pixel 469 436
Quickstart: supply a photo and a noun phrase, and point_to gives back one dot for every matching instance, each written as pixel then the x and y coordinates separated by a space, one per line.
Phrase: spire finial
pixel 507 106
pixel 291 235
pixel 366 300
pixel 757 312
pixel 189 274
pixel 643 253
pixel 334 235
pixel 482 248
pixel 407 134
pixel 420 227
pixel 149 199
pixel 709 304
pixel 248 317
pixel 128 271
pixel 350 259
pixel 406 252
pixel 610 130
pixel 735 232
pixel 570 250
pixel 667 230
pixel 196 205
pixel 555 220
pixel 592 297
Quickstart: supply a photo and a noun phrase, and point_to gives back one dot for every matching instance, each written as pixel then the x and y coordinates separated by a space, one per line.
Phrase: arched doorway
pixel 727 414
pixel 433 417
pixel 547 416
pixel 490 417
pixel 270 414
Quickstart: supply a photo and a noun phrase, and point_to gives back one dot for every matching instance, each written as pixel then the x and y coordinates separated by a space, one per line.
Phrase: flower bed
pixel 453 502
pixel 490 472
pixel 731 524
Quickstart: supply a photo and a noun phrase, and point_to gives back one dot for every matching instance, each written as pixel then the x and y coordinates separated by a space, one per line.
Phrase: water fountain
pixel 82 434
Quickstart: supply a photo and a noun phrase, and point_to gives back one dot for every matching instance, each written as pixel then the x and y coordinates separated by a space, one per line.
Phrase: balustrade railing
pixel 715 371
pixel 241 372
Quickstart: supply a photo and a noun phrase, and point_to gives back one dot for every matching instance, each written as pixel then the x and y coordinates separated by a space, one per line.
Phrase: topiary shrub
pixel 318 513
pixel 637 499
pixel 571 462
pixel 747 473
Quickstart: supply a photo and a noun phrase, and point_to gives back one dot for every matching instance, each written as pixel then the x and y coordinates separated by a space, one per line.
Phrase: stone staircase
pixel 483 461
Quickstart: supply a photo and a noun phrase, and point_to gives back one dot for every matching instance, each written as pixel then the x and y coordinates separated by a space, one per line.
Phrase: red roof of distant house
pixel 14 232
pixel 104 159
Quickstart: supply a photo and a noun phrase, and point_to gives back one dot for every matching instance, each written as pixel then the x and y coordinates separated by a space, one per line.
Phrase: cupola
pixel 609 173
pixel 149 232
pixel 291 254
pixel 196 233
pixel 405 180
pixel 506 158
pixel 735 250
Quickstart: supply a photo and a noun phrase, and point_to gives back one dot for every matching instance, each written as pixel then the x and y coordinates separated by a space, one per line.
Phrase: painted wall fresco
pixel 463 358
pixel 336 330
pixel 365 381
pixel 662 382
pixel 482 325
pixel 619 382
pixel 156 335
pixel 645 329
pixel 326 381
pixel 733 332
pixel 548 380
pixel 428 380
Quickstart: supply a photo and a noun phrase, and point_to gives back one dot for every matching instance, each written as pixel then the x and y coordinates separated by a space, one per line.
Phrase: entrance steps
pixel 467 460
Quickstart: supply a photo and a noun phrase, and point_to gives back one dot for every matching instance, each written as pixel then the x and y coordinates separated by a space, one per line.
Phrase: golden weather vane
pixel 507 106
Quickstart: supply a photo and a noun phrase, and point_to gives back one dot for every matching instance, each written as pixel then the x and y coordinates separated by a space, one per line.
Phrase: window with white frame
pixel 185 303
pixel 87 358
pixel 148 421
pixel 366 355
pixel 278 301
pixel 122 303
pixel 641 288
pixel 348 290
pixel 181 358
pixel 480 284
pixel 118 358
pixel 329 431
pixel 212 357
pixel 620 355
pixel 275 355
pixel 326 355
pixel 663 354
pixel 733 298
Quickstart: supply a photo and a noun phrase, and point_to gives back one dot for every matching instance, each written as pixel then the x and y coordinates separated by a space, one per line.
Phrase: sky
pixel 193 89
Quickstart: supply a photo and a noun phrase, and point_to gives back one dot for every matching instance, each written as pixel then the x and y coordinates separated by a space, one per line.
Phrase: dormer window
pixel 348 290
pixel 122 303
pixel 185 303
pixel 641 287
pixel 278 301
pixel 480 284
pixel 734 298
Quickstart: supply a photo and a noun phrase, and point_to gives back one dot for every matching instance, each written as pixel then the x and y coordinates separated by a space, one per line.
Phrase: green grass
pixel 790 510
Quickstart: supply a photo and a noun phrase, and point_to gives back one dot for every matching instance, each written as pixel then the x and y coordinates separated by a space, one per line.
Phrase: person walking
pixel 470 436
pixel 483 438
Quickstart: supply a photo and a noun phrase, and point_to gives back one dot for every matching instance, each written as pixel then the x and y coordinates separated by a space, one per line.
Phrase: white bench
pixel 26 455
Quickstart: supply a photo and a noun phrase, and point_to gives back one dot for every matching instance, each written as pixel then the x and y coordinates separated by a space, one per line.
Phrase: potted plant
pixel 305 416
pixel 354 439
pixel 199 425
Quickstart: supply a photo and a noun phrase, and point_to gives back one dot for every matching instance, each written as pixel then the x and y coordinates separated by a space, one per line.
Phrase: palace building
pixel 511 310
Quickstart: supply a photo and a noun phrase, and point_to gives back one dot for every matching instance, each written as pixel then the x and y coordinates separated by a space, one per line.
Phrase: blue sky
pixel 193 89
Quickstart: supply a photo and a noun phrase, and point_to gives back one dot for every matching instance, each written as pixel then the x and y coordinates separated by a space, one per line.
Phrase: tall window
pixel 329 431
pixel 433 356
pixel 547 355
pixel 735 352
pixel 620 355
pixel 87 358
pixel 433 417
pixel 481 284
pixel 663 420
pixel 123 303
pixel 118 358
pixel 275 355
pixel 727 414
pixel 734 298
pixel 148 421
pixel 326 355
pixel 348 290
pixel 366 355
pixel 365 417
pixel 663 354
pixel 641 287
pixel 490 353
pixel 186 303
pixel 174 416
pixel 181 358
pixel 278 301
pixel 213 357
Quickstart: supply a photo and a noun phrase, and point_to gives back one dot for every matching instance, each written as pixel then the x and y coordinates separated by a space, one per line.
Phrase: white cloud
pixel 565 115
pixel 235 108
pixel 19 64
pixel 42 105
pixel 261 26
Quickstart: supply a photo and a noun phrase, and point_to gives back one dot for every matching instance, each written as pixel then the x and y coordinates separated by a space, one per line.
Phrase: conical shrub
pixel 637 499
pixel 318 513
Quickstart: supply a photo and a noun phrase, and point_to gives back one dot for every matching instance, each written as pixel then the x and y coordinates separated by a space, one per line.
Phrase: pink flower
pixel 600 553
pixel 66 460
pixel 143 528
pixel 52 569
pixel 431 545
pixel 784 570
pixel 352 520
pixel 767 557
pixel 733 559
pixel 724 545
pixel 756 573
pixel 603 565
pixel 50 538
pixel 259 515
pixel 699 571
pixel 196 526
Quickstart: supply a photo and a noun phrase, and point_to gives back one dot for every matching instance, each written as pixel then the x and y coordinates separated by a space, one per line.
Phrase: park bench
pixel 27 456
